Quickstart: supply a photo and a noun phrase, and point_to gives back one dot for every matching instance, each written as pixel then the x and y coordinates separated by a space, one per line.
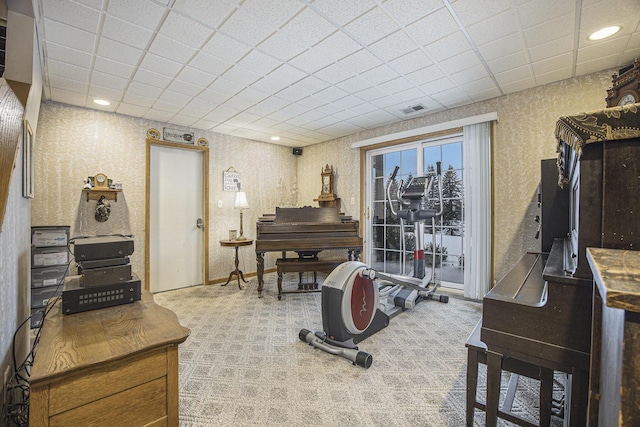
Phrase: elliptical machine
pixel 355 307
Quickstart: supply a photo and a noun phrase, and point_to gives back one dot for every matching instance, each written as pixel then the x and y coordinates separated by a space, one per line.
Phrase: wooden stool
pixel 477 353
pixel 301 265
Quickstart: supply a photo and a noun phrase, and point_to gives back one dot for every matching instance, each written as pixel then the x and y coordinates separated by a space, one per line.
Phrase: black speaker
pixel 297 151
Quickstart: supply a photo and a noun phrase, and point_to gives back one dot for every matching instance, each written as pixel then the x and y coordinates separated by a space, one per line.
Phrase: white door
pixel 176 241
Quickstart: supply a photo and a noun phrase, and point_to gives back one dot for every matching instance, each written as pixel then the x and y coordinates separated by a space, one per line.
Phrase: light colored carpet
pixel 244 365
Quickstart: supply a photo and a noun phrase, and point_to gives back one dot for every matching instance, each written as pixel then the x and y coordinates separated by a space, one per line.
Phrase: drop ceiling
pixel 311 71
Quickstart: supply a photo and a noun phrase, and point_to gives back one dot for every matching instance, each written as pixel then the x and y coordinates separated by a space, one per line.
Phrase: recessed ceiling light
pixel 101 102
pixel 275 138
pixel 605 32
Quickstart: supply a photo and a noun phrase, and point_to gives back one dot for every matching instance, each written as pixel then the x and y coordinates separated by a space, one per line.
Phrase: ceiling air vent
pixel 413 109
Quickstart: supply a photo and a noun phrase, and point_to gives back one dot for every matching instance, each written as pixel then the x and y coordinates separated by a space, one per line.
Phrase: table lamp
pixel 241 203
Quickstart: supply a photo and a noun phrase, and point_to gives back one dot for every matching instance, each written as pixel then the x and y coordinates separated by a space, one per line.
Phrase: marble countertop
pixel 617 274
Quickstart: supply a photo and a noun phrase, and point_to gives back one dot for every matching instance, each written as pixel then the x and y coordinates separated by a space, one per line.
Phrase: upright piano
pixel 541 312
pixel 307 231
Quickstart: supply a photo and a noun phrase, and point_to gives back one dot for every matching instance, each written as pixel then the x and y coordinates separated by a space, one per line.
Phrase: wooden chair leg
pixel 546 396
pixel 494 375
pixel 472 384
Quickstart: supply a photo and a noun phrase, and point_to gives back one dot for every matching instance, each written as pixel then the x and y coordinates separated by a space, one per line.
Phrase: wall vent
pixel 413 109
pixel 3 45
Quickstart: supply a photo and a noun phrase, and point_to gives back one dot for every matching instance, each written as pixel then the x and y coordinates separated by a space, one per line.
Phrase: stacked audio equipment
pixel 104 275
pixel 49 266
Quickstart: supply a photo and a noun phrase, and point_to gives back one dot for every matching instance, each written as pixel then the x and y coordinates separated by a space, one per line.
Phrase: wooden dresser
pixel 114 366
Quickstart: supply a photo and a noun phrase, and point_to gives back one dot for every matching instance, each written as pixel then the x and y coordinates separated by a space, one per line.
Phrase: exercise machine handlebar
pixel 360 358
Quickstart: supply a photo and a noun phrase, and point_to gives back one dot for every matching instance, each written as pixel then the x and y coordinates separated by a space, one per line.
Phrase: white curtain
pixel 477 195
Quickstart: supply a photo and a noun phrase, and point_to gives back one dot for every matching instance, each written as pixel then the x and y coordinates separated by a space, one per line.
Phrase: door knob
pixel 199 223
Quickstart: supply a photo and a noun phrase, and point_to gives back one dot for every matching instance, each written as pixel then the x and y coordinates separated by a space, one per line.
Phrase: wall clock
pixel 625 86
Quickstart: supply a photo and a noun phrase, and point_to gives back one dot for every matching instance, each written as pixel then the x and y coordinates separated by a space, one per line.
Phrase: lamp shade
pixel 241 200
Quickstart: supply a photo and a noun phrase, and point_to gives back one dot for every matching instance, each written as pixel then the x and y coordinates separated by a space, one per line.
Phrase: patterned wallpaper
pixel 73 143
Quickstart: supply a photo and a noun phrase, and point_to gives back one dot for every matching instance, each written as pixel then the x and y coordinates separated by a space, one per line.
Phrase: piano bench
pixel 301 265
pixel 476 354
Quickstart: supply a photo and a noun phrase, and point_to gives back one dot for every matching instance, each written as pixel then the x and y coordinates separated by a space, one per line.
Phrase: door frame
pixel 205 189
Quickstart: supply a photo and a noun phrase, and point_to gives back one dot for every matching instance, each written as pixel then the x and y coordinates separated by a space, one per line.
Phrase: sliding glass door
pixel 392 242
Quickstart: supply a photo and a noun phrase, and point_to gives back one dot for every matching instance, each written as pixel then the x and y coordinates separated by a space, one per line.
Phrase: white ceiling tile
pixel 242 76
pixel 221 113
pixel 247 28
pixel 551 30
pixel 438 85
pixel 537 12
pixel 553 48
pixel 131 110
pixel 595 65
pixel 151 78
pixel 213 96
pixel 185 30
pixel 209 63
pixel 463 60
pixel 287 73
pixel 426 75
pixel 450 97
pixel 69 36
pixel 225 86
pixel 408 11
pixel 250 96
pixel 183 120
pixel 178 99
pixel 517 86
pixel 554 76
pixel 484 95
pixel 269 84
pixel 474 11
pixel 311 102
pixel 119 52
pixel 380 74
pixel 184 88
pixel 196 77
pixel 142 89
pixel 370 94
pixel 507 62
pixel 393 46
pixel 138 100
pixel 333 74
pixel 259 61
pixel 205 124
pixel 313 60
pixel 354 84
pixel 478 86
pixel 68 71
pixel 109 94
pixel 168 107
pixel 330 94
pixel 160 65
pixel 276 12
pixel 433 27
pixel 72 13
pixel 108 81
pixel 282 46
pixel 514 75
pixel 360 62
pixel 171 49
pixel 494 28
pixel 224 129
pixel 68 84
pixel 496 49
pixel 68 55
pixel 604 48
pixel 225 48
pixel 448 46
pixel 159 116
pixel 610 12
pixel 113 67
pixel 213 12
pixel 410 62
pixel 144 13
pixel 556 63
pixel 386 101
pixel 269 105
pixel 308 28
pixel 341 11
pixel 339 45
pixel 469 74
pixel 126 32
pixel 68 97
pixel 372 26
pixel 396 85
